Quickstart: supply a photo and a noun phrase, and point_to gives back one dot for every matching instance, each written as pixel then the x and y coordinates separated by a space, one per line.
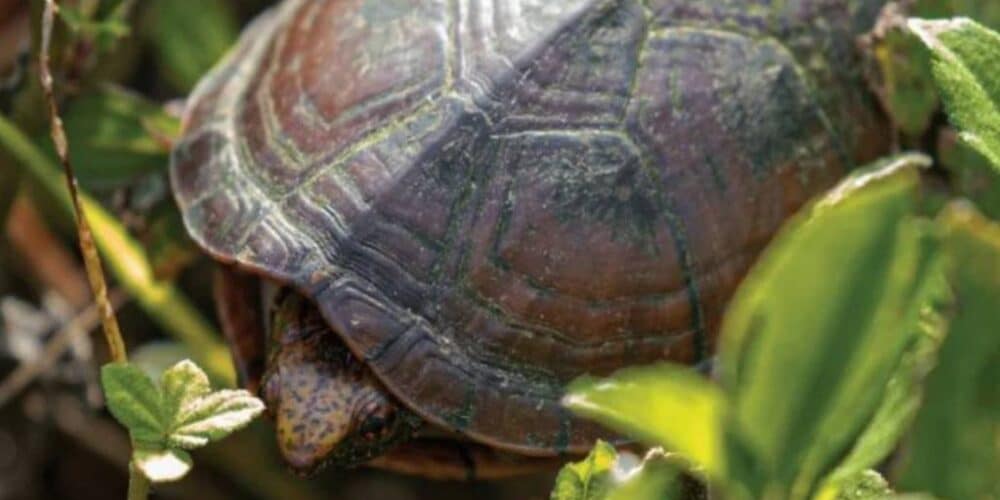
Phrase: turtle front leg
pixel 328 407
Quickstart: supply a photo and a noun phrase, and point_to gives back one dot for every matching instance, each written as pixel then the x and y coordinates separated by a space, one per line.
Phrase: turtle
pixel 432 215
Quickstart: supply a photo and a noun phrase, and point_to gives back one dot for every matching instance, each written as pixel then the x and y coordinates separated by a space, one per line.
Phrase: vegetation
pixel 826 348
pixel 859 359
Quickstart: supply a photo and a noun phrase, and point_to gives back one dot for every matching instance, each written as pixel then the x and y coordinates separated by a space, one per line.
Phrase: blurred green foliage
pixel 954 451
pixel 116 136
pixel 189 39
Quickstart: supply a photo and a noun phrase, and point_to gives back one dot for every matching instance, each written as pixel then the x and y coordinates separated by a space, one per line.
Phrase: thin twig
pixel 91 259
pixel 79 326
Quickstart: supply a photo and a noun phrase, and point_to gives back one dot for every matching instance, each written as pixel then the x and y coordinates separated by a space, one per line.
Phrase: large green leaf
pixel 904 391
pixel 813 335
pixel 966 62
pixel 190 38
pixel 662 404
pixel 955 451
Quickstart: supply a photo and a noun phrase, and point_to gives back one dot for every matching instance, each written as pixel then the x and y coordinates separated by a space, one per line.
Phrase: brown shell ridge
pixel 399 233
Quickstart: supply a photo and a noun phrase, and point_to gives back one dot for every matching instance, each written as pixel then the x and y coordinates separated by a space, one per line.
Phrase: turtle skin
pixel 487 199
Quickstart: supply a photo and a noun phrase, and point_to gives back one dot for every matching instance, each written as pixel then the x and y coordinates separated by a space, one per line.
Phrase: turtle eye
pixel 376 426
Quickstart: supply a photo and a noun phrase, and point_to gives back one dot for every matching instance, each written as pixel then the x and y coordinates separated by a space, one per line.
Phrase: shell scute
pixel 488 198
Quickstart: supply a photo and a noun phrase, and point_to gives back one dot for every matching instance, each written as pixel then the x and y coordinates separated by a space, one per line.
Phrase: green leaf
pixel 966 62
pixel 607 475
pixel 588 479
pixel 661 404
pixel 212 417
pixel 812 336
pixel 162 464
pixel 189 40
pixel 904 390
pixel 910 94
pixel 954 451
pixel 116 136
pixel 134 401
pixel 182 384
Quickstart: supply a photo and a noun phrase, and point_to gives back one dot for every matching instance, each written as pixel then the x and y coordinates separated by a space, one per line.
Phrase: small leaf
pixel 607 475
pixel 181 385
pixel 588 479
pixel 865 485
pixel 134 401
pixel 662 404
pixel 162 464
pixel 966 62
pixel 213 417
pixel 954 443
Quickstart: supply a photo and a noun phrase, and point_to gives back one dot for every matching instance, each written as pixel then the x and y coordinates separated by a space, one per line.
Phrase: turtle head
pixel 327 405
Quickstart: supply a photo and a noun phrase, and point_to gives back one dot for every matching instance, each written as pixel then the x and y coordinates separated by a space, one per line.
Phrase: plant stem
pixel 127 261
pixel 91 260
pixel 138 484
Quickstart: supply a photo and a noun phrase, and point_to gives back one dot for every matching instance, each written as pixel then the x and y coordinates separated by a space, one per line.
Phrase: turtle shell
pixel 487 199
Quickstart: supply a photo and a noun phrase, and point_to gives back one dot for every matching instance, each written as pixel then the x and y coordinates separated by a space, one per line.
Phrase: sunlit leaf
pixel 813 335
pixel 588 479
pixel 955 450
pixel 966 62
pixel 182 384
pixel 162 464
pixel 663 404
pixel 213 416
pixel 134 401
pixel 607 475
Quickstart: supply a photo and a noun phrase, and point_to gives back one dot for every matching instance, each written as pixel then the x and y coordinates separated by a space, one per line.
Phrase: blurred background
pixel 122 69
